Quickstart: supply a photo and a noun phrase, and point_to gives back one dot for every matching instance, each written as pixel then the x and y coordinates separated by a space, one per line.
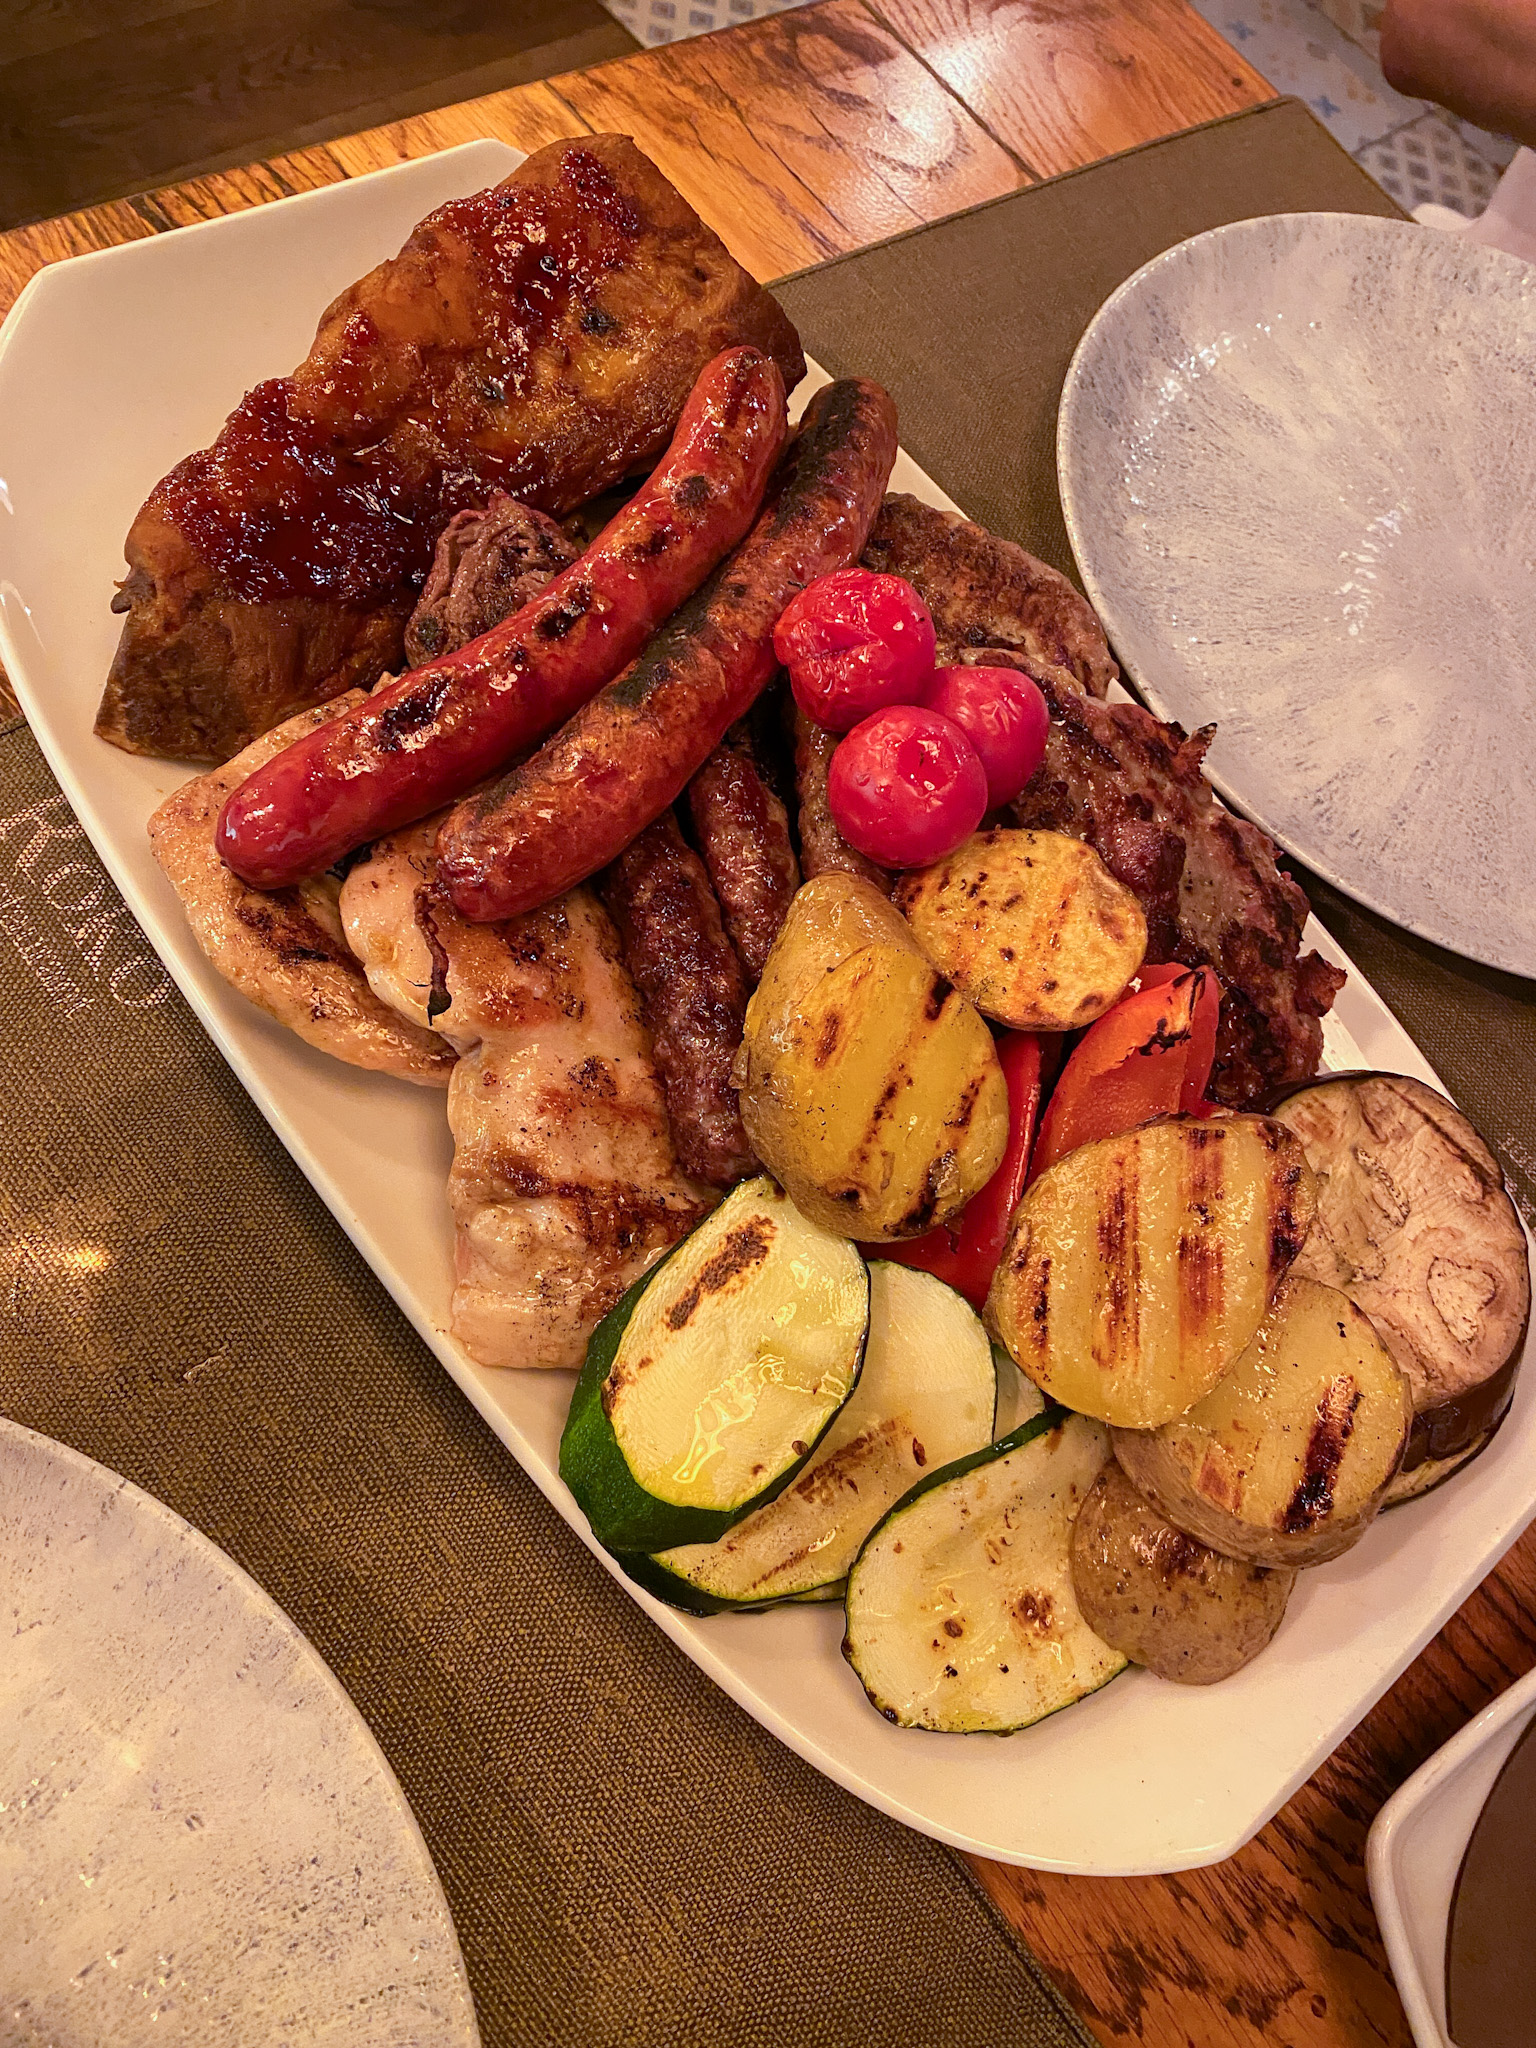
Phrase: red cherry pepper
pixel 1151 1055
pixel 965 1253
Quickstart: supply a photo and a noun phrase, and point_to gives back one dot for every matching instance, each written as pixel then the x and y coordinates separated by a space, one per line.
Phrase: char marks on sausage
pixel 629 753
pixel 564 1186
pixel 285 951
pixel 743 833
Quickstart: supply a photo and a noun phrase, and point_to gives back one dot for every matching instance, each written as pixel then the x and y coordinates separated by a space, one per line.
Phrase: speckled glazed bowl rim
pixel 111 1485
pixel 1100 334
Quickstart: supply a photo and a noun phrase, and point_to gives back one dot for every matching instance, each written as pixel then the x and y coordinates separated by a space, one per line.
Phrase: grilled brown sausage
pixel 417 743
pixel 694 992
pixel 743 834
pixel 823 848
pixel 631 751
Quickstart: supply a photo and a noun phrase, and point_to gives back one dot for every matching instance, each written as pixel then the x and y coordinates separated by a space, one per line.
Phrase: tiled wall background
pixel 1327 58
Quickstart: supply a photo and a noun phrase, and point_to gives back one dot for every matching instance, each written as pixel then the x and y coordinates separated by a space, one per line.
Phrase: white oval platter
pixel 114 365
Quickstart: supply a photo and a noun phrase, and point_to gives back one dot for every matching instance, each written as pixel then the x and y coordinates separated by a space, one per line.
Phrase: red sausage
pixel 419 742
pixel 630 751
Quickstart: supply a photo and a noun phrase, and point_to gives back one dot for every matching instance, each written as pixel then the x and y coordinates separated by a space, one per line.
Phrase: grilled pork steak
pixel 1133 788
pixel 537 339
pixel 989 599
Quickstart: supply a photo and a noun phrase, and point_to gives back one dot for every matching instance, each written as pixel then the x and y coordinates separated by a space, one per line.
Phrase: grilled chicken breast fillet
pixel 284 950
pixel 564 1186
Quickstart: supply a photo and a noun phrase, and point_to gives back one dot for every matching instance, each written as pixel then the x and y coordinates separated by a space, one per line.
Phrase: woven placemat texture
pixel 631 1861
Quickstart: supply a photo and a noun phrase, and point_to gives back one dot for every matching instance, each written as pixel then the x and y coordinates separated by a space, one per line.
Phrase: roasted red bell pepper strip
pixel 1151 1055
pixel 965 1253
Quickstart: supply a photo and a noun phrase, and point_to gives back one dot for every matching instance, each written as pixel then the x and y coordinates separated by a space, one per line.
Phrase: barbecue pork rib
pixel 537 339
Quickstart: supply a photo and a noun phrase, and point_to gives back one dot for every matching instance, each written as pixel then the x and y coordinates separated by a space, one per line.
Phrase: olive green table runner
pixel 629 1859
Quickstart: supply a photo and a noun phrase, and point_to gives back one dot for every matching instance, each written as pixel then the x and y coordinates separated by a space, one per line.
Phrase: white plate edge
pixel 465 1374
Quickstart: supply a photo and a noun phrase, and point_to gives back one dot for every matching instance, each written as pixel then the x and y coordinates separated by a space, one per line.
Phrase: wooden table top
pixel 798 138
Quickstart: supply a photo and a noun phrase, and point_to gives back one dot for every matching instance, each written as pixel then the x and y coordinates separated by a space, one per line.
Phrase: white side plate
pixel 1414 1851
pixel 111 368
pixel 199 1838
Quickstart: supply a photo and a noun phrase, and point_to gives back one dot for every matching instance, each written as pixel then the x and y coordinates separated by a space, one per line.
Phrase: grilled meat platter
pixel 876 1064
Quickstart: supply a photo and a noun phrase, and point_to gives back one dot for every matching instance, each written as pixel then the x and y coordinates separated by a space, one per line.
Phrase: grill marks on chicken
pixel 565 1186
pixel 285 951
pixel 990 599
pixel 1132 787
pixel 537 339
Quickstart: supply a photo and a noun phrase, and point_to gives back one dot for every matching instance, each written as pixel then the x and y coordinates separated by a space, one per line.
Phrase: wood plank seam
pixel 1028 169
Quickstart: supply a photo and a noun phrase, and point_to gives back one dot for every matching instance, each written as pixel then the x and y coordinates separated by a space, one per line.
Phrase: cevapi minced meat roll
pixel 823 849
pixel 743 834
pixel 694 992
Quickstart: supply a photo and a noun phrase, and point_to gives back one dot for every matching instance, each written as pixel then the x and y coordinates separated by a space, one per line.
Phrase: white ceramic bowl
pixel 1416 1844
pixel 1298 464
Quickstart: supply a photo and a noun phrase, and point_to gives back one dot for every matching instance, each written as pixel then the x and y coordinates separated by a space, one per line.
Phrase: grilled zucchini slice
pixel 1139 1267
pixel 927 1395
pixel 709 1386
pixel 961 1610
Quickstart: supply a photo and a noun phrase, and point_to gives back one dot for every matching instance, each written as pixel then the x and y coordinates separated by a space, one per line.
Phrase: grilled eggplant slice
pixel 1139 1267
pixel 709 1386
pixel 926 1396
pixel 1288 1459
pixel 1168 1602
pixel 961 1613
pixel 1415 1226
pixel 1412 1482
pixel 1030 925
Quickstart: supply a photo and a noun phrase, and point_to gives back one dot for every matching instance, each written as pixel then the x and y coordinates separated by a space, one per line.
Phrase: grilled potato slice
pixel 1031 925
pixel 1161 1598
pixel 869 1086
pixel 1287 1461
pixel 1138 1268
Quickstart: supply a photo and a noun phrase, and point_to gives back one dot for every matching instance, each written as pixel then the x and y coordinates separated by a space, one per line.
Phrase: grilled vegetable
pixel 961 1613
pixel 1139 1268
pixel 711 1383
pixel 964 1253
pixel 1168 1602
pixel 1151 1055
pixel 1415 1226
pixel 1412 1482
pixel 868 1085
pixel 1031 925
pixel 1285 1462
pixel 927 1395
